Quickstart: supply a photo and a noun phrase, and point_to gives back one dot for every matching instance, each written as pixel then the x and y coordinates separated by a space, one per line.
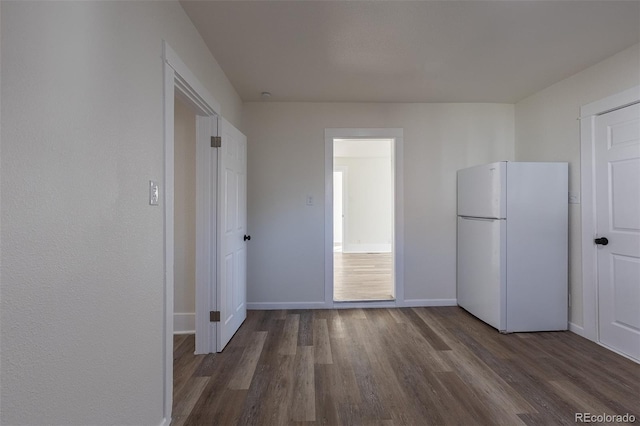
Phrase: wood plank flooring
pixel 362 276
pixel 410 366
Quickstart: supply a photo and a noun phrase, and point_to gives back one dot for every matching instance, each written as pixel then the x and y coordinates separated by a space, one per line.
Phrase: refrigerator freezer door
pixel 481 191
pixel 481 269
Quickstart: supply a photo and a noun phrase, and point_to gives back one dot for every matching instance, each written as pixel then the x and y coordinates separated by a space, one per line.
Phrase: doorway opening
pixel 184 229
pixel 363 224
pixel 180 83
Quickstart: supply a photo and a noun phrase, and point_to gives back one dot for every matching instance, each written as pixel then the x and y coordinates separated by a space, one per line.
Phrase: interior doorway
pixel 184 230
pixel 339 188
pixel 363 267
pixel 180 82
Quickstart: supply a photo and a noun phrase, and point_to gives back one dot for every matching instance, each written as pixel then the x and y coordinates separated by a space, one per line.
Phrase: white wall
pixel 369 204
pixel 82 250
pixel 286 162
pixel 184 262
pixel 547 129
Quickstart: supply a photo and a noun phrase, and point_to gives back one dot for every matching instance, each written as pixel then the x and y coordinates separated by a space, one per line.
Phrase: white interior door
pixel 617 169
pixel 232 217
pixel 206 236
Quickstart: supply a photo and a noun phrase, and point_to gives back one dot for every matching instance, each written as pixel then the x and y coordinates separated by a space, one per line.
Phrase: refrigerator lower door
pixel 481 269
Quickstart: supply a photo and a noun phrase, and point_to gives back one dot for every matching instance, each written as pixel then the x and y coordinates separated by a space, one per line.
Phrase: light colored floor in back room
pixel 362 276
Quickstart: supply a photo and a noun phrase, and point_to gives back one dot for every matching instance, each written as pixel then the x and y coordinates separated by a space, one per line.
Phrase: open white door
pixel 232 223
pixel 206 235
pixel 617 155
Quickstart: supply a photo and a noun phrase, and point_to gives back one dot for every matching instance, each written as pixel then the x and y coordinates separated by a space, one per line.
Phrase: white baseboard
pixel 416 303
pixel 184 323
pixel 411 303
pixel 366 304
pixel 574 328
pixel 366 248
pixel 268 306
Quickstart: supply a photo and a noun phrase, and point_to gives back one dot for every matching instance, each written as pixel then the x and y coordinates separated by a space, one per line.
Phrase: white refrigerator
pixel 513 245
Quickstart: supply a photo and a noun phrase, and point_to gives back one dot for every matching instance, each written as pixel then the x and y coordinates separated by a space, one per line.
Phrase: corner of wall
pixel 547 129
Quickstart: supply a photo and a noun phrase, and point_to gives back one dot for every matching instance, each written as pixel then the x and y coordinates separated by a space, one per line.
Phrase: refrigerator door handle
pixel 483 219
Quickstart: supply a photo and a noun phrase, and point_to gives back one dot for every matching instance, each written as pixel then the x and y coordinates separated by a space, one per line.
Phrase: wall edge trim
pixel 285 305
pixel 579 330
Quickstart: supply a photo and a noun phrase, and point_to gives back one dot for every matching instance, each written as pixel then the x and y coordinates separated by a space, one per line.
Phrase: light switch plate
pixel 154 193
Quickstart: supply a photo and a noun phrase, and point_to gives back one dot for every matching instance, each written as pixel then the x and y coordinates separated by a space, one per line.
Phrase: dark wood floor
pixel 413 366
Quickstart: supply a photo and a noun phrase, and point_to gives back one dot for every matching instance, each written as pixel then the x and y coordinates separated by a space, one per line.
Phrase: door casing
pixel 344 171
pixel 397 134
pixel 179 81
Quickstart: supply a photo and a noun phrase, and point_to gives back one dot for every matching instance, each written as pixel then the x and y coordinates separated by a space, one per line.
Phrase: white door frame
pixel 397 134
pixel 178 80
pixel 345 195
pixel 588 114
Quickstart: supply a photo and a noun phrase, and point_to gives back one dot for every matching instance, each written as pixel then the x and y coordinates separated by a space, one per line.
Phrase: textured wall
pixel 82 250
pixel 547 129
pixel 286 162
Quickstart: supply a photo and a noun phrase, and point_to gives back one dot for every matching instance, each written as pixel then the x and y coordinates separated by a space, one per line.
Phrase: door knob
pixel 247 237
pixel 602 241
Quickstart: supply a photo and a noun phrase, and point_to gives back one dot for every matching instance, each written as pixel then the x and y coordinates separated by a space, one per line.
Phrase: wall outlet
pixel 309 200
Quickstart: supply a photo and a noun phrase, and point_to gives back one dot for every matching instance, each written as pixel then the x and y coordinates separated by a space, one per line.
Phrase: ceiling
pixel 418 51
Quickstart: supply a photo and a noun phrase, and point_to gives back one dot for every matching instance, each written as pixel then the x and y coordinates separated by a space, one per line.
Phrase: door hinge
pixel 216 141
pixel 214 316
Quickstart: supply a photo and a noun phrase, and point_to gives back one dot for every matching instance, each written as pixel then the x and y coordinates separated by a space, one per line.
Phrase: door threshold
pixel 369 303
